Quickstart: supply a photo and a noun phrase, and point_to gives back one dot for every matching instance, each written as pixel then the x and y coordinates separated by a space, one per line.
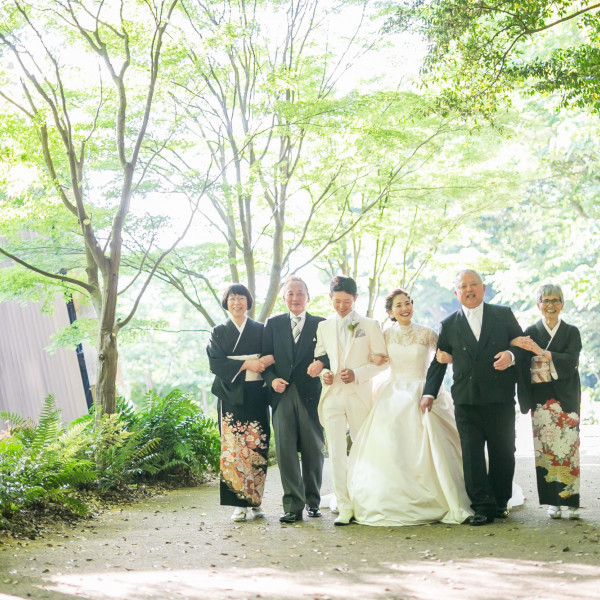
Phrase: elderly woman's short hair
pixel 237 289
pixel 549 289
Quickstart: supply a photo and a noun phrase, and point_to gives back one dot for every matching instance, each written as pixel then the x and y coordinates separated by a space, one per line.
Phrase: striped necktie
pixel 296 328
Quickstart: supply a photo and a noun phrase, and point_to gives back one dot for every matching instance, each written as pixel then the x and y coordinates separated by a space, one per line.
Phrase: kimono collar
pixel 240 328
pixel 552 332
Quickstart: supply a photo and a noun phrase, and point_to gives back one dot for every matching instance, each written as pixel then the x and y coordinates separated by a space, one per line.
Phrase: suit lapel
pixel 465 332
pixel 487 325
pixel 330 330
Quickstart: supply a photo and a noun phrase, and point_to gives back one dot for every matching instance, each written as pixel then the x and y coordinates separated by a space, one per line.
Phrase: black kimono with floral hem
pixel 243 413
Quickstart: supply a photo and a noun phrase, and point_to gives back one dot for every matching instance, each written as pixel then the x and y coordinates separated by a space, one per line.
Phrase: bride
pixel 405 466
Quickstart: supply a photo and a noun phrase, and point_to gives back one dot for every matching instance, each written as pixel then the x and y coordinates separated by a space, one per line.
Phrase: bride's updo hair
pixel 389 300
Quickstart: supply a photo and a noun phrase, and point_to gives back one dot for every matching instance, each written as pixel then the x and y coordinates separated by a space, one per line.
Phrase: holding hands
pixel 258 365
pixel 255 365
pixel 525 342
pixel 378 359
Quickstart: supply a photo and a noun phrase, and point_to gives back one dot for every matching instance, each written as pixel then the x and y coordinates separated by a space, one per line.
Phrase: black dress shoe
pixel 478 519
pixel 290 517
pixel 313 512
pixel 502 512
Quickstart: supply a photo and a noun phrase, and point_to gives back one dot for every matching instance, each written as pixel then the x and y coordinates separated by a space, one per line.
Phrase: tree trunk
pixel 107 335
pixel 106 387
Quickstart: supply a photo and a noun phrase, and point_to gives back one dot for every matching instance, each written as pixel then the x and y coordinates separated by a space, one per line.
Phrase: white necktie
pixel 296 328
pixel 474 322
pixel 343 331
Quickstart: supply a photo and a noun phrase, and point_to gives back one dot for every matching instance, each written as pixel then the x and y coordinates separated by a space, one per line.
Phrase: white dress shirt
pixel 474 318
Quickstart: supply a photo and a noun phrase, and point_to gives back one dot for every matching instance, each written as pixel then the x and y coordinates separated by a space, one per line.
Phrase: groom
pixel 346 340
pixel 483 389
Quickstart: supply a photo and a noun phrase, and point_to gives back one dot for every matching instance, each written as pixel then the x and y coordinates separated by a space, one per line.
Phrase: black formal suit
pixel 295 421
pixel 484 401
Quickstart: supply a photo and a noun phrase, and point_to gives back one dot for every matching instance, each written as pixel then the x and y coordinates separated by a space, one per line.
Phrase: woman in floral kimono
pixel 549 386
pixel 233 352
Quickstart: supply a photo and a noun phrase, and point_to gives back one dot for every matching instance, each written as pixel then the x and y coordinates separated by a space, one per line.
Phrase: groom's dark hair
pixel 340 283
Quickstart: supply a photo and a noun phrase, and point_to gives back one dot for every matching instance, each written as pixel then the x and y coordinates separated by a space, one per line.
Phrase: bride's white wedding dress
pixel 405 466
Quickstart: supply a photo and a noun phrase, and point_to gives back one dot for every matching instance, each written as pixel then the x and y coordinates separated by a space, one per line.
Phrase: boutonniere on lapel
pixel 352 328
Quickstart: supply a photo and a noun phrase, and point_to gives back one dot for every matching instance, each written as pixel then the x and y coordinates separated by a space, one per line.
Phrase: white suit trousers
pixel 342 408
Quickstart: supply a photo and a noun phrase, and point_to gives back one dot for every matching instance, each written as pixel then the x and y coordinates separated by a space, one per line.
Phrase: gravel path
pixel 182 545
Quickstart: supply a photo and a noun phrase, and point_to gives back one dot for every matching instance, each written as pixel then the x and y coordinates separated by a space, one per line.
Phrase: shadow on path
pixel 183 545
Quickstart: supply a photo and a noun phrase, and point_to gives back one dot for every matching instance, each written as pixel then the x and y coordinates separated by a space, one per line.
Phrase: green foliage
pixel 81 330
pixel 480 51
pixel 188 444
pixel 42 464
pixel 168 439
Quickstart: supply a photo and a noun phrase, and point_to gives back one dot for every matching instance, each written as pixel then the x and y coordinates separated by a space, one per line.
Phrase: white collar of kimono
pixel 552 332
pixel 240 328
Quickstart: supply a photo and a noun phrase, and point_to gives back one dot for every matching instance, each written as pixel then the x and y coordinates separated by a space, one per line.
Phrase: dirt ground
pixel 182 545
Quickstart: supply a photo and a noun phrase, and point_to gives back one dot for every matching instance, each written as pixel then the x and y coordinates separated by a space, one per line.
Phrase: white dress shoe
pixel 258 512
pixel 574 513
pixel 554 512
pixel 239 514
pixel 345 517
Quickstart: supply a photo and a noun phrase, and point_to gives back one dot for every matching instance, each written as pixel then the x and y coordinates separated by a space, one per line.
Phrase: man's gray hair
pixel 549 289
pixel 464 272
pixel 295 279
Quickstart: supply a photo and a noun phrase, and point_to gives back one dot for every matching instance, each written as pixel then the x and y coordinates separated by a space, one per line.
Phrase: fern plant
pixel 120 454
pixel 189 444
pixel 42 463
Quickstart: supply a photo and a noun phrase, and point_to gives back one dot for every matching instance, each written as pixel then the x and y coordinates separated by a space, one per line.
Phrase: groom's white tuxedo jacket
pixel 364 339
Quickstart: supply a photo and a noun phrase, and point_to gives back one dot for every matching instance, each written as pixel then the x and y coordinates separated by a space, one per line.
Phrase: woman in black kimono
pixel 549 386
pixel 233 354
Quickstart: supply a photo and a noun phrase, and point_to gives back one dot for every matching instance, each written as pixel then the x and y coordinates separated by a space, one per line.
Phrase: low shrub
pixel 188 445
pixel 44 465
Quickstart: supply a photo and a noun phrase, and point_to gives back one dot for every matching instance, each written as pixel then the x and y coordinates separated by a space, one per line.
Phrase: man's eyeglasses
pixel 548 301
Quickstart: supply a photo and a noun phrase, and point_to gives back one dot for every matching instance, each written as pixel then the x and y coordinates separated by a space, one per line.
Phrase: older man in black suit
pixel 291 339
pixel 484 376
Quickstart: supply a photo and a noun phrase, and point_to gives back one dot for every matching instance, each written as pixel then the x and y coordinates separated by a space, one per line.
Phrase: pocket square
pixel 359 333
